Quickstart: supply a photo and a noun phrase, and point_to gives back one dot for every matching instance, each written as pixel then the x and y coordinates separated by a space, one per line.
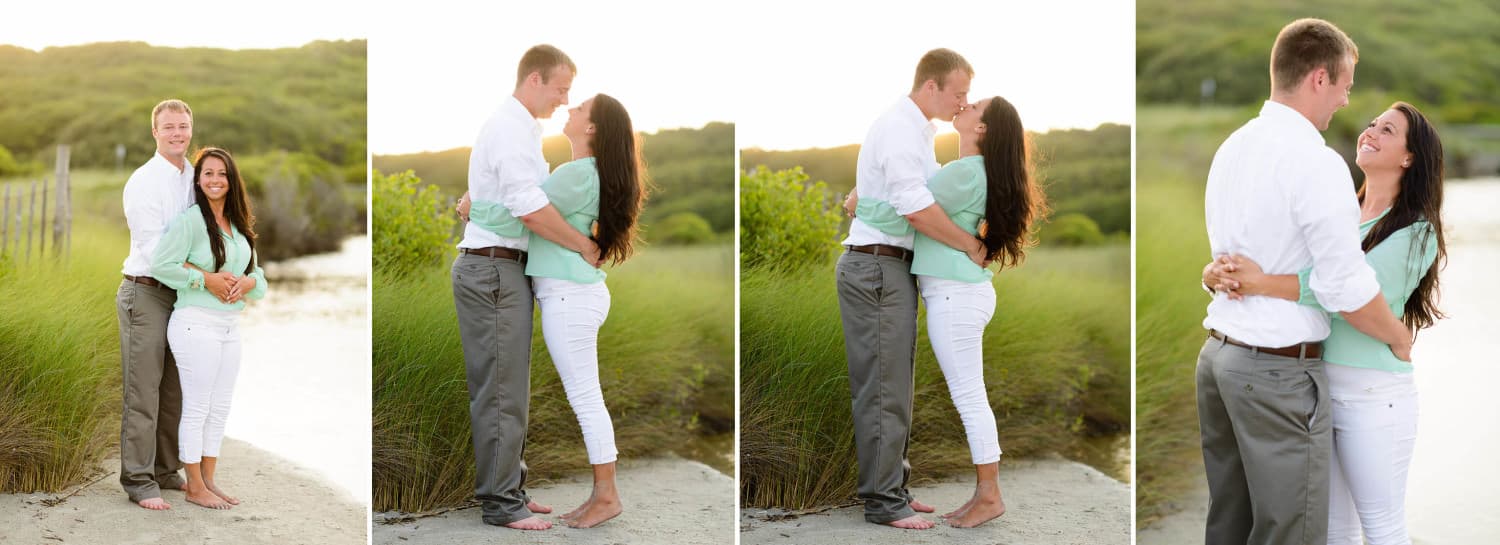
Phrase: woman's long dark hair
pixel 1015 200
pixel 622 178
pixel 236 207
pixel 1419 197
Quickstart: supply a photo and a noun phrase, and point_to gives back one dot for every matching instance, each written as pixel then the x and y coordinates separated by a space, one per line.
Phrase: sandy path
pixel 667 501
pixel 281 503
pixel 1047 502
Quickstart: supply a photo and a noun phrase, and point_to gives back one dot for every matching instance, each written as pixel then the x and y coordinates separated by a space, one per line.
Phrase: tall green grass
pixel 1056 365
pixel 1174 147
pixel 59 362
pixel 666 365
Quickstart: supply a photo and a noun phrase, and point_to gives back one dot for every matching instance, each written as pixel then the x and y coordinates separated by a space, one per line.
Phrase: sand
pixel 667 501
pixel 1047 502
pixel 281 503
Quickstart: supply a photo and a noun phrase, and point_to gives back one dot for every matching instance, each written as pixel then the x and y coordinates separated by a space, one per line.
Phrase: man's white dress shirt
pixel 506 166
pixel 1280 196
pixel 155 194
pixel 895 163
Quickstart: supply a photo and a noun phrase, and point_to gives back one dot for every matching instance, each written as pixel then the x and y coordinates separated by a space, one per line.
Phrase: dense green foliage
pixel 692 170
pixel 784 221
pixel 414 227
pixel 309 99
pixel 1443 55
pixel 1084 171
pixel 1057 367
pixel 666 367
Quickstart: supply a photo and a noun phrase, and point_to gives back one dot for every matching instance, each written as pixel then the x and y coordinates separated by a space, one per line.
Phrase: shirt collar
pixel 514 107
pixel 164 164
pixel 1285 117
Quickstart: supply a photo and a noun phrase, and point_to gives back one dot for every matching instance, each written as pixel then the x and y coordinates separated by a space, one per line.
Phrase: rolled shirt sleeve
pixel 259 291
pixel 906 179
pixel 520 189
pixel 1325 209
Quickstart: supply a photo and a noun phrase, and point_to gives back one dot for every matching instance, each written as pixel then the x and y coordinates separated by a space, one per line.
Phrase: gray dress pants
pixel 152 393
pixel 492 297
pixel 878 304
pixel 1267 437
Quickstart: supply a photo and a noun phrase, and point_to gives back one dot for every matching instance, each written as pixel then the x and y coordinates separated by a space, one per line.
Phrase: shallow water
pixel 303 390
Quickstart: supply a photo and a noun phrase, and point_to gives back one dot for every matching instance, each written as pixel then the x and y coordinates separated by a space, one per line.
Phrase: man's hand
pixel 242 286
pixel 591 255
pixel 219 284
pixel 851 202
pixel 1402 351
pixel 463 207
pixel 977 253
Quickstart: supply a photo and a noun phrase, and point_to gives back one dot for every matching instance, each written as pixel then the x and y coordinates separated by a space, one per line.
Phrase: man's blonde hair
pixel 170 105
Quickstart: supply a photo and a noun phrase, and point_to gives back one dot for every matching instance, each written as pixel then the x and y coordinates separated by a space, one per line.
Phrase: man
pixel 155 194
pixel 491 293
pixel 877 292
pixel 1279 196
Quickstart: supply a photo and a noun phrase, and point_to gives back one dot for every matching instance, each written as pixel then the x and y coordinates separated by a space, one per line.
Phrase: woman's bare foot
pixel 914 522
pixel 220 493
pixel 529 523
pixel 596 511
pixel 963 508
pixel 982 511
pixel 155 504
pixel 570 515
pixel 203 497
pixel 538 508
pixel 921 507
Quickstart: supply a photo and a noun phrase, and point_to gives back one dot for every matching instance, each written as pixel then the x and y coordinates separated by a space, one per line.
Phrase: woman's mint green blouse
pixel 574 190
pixel 186 241
pixel 959 187
pixel 1399 261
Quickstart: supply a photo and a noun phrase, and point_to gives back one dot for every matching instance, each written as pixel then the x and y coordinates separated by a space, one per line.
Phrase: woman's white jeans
pixel 957 313
pixel 1374 432
pixel 571 316
pixel 206 344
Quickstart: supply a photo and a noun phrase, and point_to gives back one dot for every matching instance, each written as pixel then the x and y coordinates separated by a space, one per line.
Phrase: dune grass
pixel 1175 146
pixel 59 362
pixel 1057 368
pixel 666 368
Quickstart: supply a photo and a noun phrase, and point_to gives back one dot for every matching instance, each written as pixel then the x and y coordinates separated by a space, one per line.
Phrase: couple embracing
pixel 192 264
pixel 921 230
pixel 1306 400
pixel 538 237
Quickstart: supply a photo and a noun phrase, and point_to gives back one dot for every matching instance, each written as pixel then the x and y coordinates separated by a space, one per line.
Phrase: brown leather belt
pixel 498 252
pixel 883 249
pixel 146 280
pixel 1310 351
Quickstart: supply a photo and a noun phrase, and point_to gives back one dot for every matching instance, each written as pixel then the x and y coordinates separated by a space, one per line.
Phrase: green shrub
pixel 412 224
pixel 1072 230
pixel 682 228
pixel 783 220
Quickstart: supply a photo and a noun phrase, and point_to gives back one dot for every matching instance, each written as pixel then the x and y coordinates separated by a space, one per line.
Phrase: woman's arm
pixel 1242 276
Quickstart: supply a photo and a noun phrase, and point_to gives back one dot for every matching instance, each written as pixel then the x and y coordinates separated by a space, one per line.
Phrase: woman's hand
pixel 242 285
pixel 851 203
pixel 462 208
pixel 1242 276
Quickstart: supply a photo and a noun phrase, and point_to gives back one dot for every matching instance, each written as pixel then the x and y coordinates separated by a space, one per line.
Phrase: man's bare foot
pixel 207 499
pixel 155 504
pixel 914 522
pixel 538 508
pixel 574 513
pixel 981 512
pixel 529 523
pixel 598 511
pixel 921 507
pixel 220 493
pixel 962 508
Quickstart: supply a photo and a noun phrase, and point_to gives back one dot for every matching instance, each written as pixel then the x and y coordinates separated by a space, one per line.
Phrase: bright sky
pixel 437 73
pixel 232 24
pixel 816 74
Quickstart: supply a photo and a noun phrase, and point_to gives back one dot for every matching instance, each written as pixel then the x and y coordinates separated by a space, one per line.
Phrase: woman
pixel 213 237
pixel 1373 394
pixel 601 188
pixel 989 192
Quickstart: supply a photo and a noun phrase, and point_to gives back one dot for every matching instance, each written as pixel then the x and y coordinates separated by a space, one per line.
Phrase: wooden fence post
pixel 62 228
pixel 42 227
pixel 30 219
pixel 5 222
